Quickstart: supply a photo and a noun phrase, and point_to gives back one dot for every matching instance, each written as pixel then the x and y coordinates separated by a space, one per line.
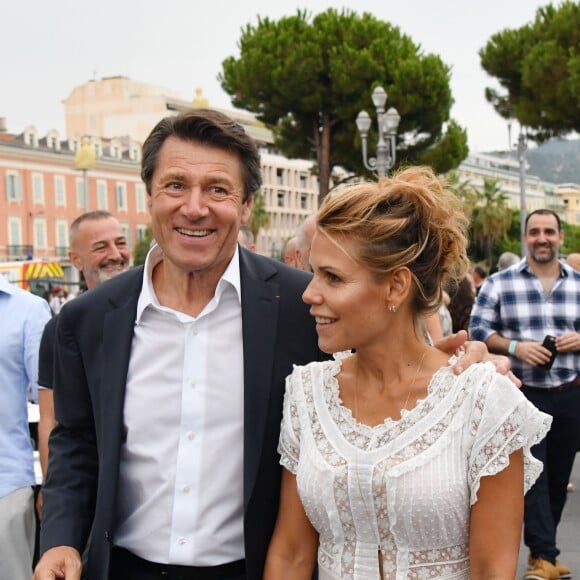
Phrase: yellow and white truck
pixel 36 276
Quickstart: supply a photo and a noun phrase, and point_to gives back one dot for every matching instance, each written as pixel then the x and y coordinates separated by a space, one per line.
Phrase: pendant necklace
pixel 356 466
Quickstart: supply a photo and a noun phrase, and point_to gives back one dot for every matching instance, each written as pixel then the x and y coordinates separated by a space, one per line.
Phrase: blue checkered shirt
pixel 513 304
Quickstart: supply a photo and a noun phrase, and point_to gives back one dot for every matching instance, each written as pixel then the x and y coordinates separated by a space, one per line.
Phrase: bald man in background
pixel 306 231
pixel 98 249
pixel 573 260
pixel 290 253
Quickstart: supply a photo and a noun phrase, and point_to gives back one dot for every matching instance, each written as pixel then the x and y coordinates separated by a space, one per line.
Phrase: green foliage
pixel 259 218
pixel 142 247
pixel 538 66
pixel 452 146
pixel 508 243
pixel 308 78
pixel 491 218
pixel 571 238
pixel 463 189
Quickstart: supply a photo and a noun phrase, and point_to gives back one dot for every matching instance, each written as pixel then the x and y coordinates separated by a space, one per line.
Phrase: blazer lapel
pixel 117 337
pixel 118 328
pixel 260 295
pixel 118 325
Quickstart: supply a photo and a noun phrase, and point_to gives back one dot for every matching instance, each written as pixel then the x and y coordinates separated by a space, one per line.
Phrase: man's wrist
pixel 512 347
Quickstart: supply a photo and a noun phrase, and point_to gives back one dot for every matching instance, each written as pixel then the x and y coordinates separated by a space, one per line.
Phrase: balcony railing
pixel 19 252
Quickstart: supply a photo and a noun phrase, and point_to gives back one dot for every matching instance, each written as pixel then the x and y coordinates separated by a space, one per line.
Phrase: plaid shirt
pixel 513 304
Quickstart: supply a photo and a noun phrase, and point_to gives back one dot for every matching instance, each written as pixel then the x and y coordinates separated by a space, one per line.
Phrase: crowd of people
pixel 218 414
pixel 531 312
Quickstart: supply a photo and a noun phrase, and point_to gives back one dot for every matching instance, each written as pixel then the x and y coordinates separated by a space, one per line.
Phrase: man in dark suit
pixel 170 381
pixel 188 355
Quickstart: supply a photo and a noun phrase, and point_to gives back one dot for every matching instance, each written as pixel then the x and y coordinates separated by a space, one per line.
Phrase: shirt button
pixel 191 435
pixel 185 489
pixel 192 384
pixel 194 330
pixel 181 541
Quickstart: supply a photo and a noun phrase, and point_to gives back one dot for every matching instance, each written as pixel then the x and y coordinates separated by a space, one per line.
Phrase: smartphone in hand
pixel 550 344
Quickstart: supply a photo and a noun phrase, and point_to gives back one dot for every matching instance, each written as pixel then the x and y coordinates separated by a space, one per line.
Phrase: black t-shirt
pixel 46 354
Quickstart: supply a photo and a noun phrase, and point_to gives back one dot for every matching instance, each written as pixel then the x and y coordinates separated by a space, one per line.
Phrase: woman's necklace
pixel 356 416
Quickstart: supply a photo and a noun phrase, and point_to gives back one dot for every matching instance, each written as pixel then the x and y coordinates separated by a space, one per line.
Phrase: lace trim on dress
pixel 364 436
pixel 448 562
pixel 288 447
pixel 521 430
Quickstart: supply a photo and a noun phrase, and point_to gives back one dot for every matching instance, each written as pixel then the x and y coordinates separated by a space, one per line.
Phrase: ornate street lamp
pixel 387 128
pixel 522 148
pixel 85 160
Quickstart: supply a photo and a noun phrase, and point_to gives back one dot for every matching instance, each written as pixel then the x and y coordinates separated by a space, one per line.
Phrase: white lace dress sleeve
pixel 502 421
pixel 295 406
pixel 289 444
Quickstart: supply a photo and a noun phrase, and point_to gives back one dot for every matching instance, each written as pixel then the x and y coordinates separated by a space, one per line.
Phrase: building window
pixel 40 233
pixel 303 180
pixel 59 191
pixel 280 199
pixel 37 189
pixel 13 186
pixel 127 233
pixel 115 150
pixel 141 232
pixel 61 235
pixel 303 201
pixel 140 197
pixel 14 231
pixel 280 176
pixel 121 190
pixel 102 195
pixel 53 140
pixel 31 137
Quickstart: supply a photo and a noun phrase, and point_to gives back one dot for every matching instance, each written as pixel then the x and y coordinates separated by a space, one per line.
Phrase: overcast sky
pixel 49 47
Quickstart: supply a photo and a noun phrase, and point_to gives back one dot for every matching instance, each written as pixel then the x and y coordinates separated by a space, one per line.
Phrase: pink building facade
pixel 41 193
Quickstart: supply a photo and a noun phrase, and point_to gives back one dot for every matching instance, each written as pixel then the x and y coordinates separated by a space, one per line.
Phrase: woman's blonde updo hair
pixel 410 219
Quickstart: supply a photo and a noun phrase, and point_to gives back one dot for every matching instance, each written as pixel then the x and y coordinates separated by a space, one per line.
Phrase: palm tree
pixel 464 190
pixel 492 217
pixel 142 248
pixel 259 218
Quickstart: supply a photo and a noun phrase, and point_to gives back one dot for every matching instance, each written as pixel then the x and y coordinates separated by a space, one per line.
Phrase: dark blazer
pixel 92 354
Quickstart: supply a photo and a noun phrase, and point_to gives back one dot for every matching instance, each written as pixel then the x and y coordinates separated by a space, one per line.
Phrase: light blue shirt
pixel 22 319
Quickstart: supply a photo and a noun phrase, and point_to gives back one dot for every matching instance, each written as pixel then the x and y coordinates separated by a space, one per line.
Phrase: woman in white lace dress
pixel 396 467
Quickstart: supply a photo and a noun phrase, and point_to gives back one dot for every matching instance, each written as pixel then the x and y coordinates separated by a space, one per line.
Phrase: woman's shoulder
pixel 486 388
pixel 317 369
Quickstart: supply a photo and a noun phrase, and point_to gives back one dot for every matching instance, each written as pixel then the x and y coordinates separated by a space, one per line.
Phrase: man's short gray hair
pixel 506 260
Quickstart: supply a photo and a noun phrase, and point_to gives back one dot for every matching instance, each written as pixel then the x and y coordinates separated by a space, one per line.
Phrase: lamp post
pixel 522 148
pixel 387 128
pixel 85 160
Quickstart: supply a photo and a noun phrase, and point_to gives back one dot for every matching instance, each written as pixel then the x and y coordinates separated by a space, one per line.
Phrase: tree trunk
pixel 324 158
pixel 489 251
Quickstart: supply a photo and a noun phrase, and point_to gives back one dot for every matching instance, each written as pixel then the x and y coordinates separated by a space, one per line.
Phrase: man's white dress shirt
pixel 180 484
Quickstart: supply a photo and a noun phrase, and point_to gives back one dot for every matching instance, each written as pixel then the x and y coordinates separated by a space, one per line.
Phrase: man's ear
pixel 398 286
pixel 247 210
pixel 75 261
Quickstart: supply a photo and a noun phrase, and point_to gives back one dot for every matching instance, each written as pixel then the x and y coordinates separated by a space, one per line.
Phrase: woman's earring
pixel 392 308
